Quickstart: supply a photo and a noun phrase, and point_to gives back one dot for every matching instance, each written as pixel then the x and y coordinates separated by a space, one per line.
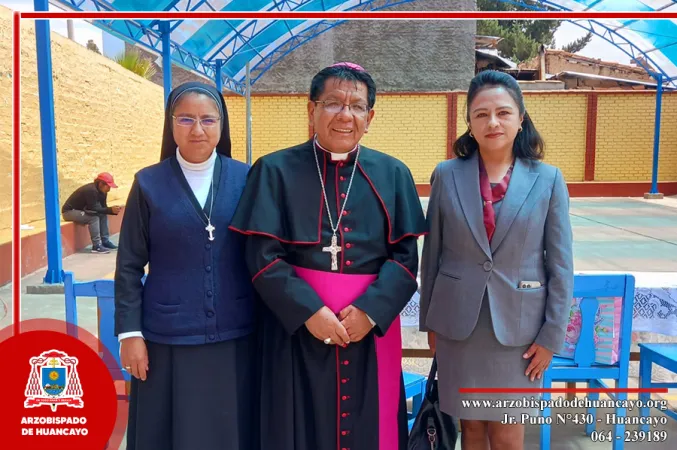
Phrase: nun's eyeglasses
pixel 207 122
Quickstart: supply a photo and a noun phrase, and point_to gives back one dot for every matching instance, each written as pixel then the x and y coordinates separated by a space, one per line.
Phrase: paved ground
pixel 625 234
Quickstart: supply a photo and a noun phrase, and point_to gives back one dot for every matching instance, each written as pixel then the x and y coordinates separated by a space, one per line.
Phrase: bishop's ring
pixel 327 341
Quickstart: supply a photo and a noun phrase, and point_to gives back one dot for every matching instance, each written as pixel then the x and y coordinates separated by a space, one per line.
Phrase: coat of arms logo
pixel 53 381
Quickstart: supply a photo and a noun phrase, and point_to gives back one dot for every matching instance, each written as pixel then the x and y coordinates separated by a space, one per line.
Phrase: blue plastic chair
pixel 414 388
pixel 664 355
pixel 583 366
pixel 103 291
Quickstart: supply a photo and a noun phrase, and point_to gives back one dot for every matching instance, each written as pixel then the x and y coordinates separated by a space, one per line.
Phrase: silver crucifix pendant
pixel 210 228
pixel 334 249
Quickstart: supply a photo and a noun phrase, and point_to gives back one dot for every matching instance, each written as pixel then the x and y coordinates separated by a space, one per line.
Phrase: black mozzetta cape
pixel 283 198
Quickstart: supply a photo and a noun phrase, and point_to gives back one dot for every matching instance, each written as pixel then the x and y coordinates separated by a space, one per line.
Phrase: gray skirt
pixel 480 361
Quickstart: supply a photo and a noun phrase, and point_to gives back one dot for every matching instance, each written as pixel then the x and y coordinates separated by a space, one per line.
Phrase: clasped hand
pixel 351 325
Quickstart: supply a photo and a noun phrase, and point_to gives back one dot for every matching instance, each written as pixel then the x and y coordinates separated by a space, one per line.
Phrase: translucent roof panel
pixel 197 45
pixel 653 40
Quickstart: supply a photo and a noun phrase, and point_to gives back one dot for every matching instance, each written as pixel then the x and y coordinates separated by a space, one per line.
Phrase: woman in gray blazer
pixel 497 265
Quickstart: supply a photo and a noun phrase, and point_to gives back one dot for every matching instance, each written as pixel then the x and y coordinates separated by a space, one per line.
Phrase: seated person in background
pixel 87 205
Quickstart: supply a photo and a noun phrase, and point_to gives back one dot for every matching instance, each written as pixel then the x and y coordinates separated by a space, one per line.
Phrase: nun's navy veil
pixel 168 143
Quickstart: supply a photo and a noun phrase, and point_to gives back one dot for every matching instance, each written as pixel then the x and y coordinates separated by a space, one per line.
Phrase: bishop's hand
pixel 324 324
pixel 356 322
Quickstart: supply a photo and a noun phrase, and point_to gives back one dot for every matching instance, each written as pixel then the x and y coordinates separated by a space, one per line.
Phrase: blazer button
pixel 488 266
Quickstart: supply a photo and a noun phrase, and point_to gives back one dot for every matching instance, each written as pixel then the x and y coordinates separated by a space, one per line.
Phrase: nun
pixel 187 333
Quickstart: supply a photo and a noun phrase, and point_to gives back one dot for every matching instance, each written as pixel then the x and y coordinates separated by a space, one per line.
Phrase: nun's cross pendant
pixel 210 228
pixel 334 249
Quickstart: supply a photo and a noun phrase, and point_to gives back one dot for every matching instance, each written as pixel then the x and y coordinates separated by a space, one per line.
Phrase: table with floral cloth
pixel 654 309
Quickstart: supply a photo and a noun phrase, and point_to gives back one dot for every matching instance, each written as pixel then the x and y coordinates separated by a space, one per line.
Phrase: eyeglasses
pixel 207 122
pixel 334 107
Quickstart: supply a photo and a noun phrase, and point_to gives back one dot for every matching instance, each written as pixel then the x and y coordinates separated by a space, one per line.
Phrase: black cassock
pixel 316 396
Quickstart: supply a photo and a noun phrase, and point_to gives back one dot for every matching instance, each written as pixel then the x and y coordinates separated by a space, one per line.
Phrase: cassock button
pixel 349 245
pixel 345 433
pixel 348 263
pixel 345 397
pixel 345 213
pixel 346 362
pixel 209 293
pixel 345 380
pixel 343 195
pixel 346 229
pixel 345 415
pixel 208 268
pixel 342 178
pixel 340 164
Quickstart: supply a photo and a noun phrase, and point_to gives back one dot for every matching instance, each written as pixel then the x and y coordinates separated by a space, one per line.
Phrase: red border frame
pixel 340 15
pixel 16 177
pixel 355 15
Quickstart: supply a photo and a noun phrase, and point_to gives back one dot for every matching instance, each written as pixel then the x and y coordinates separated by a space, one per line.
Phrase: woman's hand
pixel 541 360
pixel 134 357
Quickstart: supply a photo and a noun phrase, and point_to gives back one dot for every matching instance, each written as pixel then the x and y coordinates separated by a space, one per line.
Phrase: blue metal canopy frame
pixel 236 53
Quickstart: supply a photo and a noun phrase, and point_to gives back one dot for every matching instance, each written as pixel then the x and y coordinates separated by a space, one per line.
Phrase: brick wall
pixel 561 120
pixel 625 133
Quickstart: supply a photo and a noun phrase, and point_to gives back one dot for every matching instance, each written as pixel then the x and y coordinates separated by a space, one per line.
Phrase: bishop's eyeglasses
pixel 334 107
pixel 205 122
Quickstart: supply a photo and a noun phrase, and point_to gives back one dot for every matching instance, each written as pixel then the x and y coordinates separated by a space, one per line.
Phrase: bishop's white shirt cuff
pixel 122 336
pixel 373 324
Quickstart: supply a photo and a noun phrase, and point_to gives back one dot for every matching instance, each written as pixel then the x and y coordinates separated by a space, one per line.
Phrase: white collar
pixel 334 156
pixel 196 167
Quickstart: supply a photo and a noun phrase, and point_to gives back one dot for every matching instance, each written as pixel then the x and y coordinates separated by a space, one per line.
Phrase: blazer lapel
pixel 467 181
pixel 521 183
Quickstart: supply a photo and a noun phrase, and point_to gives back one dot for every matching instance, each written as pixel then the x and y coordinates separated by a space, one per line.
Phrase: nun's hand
pixel 134 357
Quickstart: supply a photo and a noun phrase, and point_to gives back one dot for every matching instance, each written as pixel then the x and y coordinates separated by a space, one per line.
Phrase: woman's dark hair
pixel 528 142
pixel 343 72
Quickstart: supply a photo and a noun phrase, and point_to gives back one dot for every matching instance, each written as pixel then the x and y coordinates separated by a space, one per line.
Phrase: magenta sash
pixel 338 290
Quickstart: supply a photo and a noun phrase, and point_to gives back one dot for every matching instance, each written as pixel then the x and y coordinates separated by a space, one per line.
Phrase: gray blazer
pixel 532 242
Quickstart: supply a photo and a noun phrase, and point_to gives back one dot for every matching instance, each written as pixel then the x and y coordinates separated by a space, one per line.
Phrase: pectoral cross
pixel 334 249
pixel 209 229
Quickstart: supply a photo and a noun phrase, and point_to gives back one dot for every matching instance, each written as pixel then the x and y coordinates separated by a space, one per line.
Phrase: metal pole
pixel 50 170
pixel 657 138
pixel 166 58
pixel 219 75
pixel 249 116
pixel 71 29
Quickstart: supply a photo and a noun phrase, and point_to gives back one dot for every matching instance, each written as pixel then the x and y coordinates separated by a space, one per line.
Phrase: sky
pixel 111 46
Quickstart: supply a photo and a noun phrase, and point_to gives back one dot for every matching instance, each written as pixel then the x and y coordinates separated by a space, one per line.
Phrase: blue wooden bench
pixel 101 291
pixel 664 355
pixel 582 367
pixel 414 388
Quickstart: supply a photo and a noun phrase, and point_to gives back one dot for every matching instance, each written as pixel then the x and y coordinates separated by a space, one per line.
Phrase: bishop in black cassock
pixel 314 395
